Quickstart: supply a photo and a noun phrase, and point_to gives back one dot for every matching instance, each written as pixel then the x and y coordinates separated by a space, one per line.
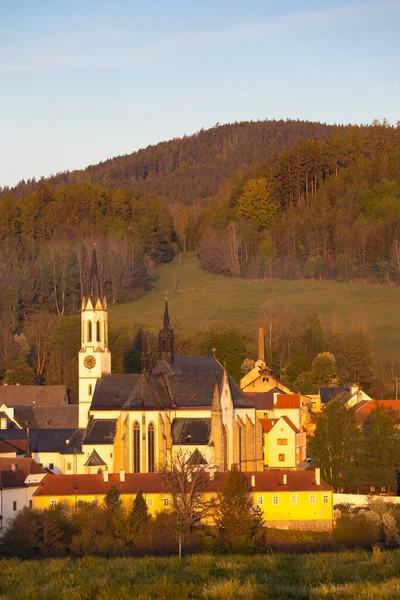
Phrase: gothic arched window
pixel 150 438
pixel 136 447
pixel 98 332
pixel 89 331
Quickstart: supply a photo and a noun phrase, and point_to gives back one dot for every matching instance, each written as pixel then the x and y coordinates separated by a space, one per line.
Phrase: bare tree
pixel 39 329
pixel 187 479
pixel 395 255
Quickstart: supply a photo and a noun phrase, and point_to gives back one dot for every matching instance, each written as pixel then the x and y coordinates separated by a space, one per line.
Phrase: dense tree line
pixel 326 209
pixel 192 168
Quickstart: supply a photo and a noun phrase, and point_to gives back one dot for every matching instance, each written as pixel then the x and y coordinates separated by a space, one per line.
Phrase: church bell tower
pixel 94 355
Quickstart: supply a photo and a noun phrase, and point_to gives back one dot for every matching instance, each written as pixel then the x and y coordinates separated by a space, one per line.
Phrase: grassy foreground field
pixel 356 574
pixel 203 297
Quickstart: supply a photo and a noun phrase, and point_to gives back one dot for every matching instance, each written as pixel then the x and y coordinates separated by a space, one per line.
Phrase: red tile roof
pixel 297 481
pixel 14 471
pixel 364 410
pixel 94 485
pixel 288 401
pixel 268 424
pixel 27 465
pixel 150 483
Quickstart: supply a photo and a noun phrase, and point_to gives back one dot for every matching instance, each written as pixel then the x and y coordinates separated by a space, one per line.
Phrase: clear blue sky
pixel 82 81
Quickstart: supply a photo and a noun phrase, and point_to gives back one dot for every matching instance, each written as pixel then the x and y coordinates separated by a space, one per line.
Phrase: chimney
pixel 318 476
pixel 105 476
pixel 276 398
pixel 13 467
pixel 261 348
pixel 284 479
pixel 253 481
pixel 122 475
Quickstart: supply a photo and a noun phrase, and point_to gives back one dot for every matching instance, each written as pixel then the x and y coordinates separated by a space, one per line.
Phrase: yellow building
pixel 284 444
pixel 288 499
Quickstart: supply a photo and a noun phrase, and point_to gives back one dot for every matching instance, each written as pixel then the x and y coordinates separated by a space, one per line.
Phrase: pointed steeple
pixel 166 350
pixel 94 281
pixel 166 315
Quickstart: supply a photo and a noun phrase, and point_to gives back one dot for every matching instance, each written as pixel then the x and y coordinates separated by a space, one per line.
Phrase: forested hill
pixel 192 168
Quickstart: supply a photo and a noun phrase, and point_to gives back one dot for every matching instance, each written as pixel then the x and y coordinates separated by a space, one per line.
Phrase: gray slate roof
pixel 328 393
pixel 48 417
pixel 100 431
pixel 191 432
pixel 189 382
pixel 74 445
pixel 112 391
pixel 33 395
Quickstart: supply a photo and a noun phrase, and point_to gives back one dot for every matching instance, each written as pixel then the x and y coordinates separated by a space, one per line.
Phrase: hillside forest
pixel 269 199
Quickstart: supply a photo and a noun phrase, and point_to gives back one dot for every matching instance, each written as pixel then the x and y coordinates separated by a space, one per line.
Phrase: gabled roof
pixel 268 424
pixel 47 417
pixel 33 395
pixel 163 389
pixel 191 432
pixel 94 460
pixel 100 431
pixel 150 392
pixel 14 471
pixel 196 458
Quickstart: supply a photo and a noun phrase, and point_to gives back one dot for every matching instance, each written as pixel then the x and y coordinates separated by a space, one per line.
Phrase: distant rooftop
pixel 33 395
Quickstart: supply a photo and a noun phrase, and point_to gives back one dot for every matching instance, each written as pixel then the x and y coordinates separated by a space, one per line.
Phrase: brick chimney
pixel 261 344
pixel 122 475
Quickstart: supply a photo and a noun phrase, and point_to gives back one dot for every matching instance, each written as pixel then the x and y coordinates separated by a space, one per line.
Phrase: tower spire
pixel 94 281
pixel 166 322
pixel 166 350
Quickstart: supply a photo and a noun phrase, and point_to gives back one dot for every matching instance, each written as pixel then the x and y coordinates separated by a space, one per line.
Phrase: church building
pixel 135 423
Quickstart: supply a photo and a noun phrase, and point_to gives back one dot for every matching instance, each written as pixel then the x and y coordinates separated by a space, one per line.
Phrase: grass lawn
pixel 355 574
pixel 203 297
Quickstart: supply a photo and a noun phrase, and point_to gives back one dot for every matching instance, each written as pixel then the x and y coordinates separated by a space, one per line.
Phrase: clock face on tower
pixel 89 362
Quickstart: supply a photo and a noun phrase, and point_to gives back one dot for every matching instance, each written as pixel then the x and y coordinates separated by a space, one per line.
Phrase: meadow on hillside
pixel 202 298
pixel 356 574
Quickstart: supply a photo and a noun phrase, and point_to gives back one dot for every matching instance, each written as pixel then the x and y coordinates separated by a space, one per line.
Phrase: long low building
pixel 288 499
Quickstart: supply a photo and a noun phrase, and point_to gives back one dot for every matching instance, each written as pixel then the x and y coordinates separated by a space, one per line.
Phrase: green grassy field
pixel 203 297
pixel 356 574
